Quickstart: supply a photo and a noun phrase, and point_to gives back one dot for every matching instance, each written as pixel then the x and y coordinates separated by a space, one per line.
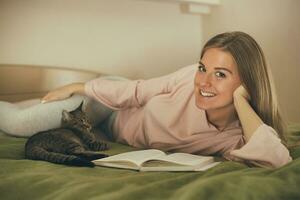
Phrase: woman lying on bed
pixel 201 109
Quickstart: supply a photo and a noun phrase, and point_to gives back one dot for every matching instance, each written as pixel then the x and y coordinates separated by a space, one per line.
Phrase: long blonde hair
pixel 255 76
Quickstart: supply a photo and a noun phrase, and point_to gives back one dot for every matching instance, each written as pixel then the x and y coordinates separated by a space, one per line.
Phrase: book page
pixel 182 159
pixel 136 157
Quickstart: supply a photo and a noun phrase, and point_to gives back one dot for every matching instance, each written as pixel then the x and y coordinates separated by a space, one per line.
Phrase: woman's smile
pixel 207 94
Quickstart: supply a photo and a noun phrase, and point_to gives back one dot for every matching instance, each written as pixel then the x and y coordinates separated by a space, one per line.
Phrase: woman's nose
pixel 205 81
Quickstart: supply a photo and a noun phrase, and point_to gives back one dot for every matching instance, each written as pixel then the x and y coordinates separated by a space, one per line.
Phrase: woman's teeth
pixel 207 94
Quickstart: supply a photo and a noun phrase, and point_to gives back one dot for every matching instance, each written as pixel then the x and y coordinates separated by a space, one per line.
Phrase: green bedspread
pixel 26 179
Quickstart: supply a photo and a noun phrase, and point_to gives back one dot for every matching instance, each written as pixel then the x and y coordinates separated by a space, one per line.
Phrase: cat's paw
pixel 81 162
pixel 97 156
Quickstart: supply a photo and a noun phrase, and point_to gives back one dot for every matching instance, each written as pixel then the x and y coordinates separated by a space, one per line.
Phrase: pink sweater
pixel 161 113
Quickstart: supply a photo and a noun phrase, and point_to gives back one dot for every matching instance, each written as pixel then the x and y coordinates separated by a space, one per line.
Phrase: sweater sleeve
pixel 122 94
pixel 264 149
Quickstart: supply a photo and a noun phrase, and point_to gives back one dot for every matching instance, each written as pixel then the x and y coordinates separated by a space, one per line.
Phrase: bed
pixel 26 179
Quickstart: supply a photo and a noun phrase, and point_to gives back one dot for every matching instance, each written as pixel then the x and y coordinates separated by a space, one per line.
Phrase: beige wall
pixel 136 39
pixel 275 24
pixel 143 39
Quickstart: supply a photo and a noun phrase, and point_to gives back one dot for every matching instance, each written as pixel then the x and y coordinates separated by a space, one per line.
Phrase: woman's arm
pixel 122 94
pixel 118 94
pixel 263 148
pixel 249 119
pixel 64 92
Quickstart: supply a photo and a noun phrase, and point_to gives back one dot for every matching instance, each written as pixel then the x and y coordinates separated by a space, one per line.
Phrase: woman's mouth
pixel 206 94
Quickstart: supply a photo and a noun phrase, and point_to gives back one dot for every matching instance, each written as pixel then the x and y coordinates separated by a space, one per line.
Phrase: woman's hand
pixel 63 92
pixel 241 92
pixel 249 119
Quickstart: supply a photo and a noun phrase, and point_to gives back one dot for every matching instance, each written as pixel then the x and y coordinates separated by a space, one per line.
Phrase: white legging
pixel 26 118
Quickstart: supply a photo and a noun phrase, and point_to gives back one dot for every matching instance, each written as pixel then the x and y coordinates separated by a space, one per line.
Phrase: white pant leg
pixel 26 118
pixel 29 117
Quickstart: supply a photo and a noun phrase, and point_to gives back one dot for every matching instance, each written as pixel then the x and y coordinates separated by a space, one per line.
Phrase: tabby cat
pixel 72 144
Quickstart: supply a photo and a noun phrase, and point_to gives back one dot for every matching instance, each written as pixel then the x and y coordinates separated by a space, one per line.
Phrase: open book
pixel 156 160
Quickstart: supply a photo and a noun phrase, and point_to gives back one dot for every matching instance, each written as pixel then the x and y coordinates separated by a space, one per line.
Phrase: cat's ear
pixel 66 116
pixel 79 108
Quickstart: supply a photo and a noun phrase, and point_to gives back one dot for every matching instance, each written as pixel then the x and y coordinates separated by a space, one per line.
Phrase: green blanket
pixel 26 179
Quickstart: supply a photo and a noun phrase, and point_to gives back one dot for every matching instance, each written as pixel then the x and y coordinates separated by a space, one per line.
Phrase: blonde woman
pixel 223 105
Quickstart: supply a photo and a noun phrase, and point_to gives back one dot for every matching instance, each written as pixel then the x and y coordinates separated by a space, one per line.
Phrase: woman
pixel 203 108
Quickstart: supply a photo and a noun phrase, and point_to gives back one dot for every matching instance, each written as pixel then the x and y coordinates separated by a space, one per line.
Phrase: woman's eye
pixel 220 74
pixel 201 69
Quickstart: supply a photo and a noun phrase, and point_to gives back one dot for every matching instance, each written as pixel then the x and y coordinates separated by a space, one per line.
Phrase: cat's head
pixel 76 119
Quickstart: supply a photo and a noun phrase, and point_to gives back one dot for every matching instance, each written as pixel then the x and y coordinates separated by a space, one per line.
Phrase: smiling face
pixel 216 80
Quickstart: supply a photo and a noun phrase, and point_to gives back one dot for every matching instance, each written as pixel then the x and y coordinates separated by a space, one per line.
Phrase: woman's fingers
pixel 64 92
pixel 242 92
pixel 55 95
pixel 49 97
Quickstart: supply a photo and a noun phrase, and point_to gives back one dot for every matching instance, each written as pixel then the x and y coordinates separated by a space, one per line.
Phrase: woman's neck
pixel 221 118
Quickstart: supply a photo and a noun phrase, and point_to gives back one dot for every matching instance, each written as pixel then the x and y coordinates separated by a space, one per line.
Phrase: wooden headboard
pixel 21 82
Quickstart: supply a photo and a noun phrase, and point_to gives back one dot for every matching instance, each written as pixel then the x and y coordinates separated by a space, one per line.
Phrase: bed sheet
pixel 26 179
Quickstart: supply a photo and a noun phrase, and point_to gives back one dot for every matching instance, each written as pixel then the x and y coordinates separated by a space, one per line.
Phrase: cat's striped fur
pixel 72 144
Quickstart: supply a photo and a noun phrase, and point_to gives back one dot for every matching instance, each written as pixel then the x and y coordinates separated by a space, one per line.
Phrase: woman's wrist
pixel 77 88
pixel 250 121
